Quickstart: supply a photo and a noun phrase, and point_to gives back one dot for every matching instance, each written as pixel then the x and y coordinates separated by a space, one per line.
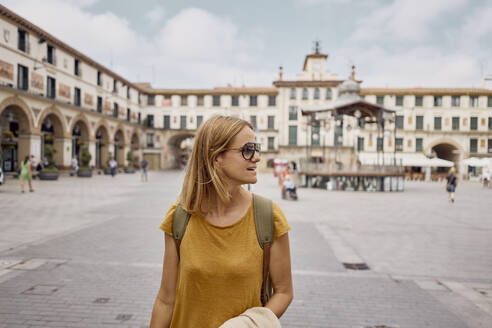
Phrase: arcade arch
pixel 446 149
pixel 15 129
pixel 179 150
pixel 102 146
pixel 52 133
pixel 119 147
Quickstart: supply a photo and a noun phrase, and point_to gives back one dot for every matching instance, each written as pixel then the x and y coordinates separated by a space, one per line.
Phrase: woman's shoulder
pixel 167 223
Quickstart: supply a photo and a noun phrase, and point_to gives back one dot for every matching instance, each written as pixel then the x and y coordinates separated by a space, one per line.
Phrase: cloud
pixel 155 15
pixel 404 20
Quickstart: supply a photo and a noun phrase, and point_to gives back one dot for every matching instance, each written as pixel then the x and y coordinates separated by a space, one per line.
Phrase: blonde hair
pixel 452 170
pixel 203 179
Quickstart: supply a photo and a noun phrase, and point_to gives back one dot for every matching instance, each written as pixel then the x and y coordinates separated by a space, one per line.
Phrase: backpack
pixel 263 213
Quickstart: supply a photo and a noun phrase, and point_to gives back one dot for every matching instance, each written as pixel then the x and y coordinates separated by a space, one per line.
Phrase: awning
pixel 403 159
pixel 477 162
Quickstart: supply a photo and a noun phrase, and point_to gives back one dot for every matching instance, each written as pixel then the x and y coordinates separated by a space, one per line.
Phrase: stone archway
pixel 16 127
pixel 179 150
pixel 119 147
pixel 445 149
pixel 80 137
pixel 102 146
pixel 52 134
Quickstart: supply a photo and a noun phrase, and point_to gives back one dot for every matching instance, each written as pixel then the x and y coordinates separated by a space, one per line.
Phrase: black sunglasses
pixel 248 150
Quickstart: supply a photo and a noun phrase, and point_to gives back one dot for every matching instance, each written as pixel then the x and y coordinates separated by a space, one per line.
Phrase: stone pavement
pixel 87 253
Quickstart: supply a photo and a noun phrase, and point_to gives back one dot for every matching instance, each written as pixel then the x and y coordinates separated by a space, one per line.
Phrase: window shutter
pixel 28 44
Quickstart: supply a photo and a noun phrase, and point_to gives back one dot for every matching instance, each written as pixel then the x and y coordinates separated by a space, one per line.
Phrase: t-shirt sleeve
pixel 280 222
pixel 167 224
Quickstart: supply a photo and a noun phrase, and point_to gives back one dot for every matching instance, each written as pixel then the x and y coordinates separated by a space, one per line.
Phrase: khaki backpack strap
pixel 264 224
pixel 180 221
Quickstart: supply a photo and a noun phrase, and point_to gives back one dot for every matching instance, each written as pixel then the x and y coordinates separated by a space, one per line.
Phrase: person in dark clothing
pixel 452 182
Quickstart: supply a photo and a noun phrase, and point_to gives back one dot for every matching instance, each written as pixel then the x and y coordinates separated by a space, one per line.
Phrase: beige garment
pixel 256 317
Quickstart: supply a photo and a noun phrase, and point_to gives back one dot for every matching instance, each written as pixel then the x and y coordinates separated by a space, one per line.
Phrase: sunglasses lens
pixel 248 152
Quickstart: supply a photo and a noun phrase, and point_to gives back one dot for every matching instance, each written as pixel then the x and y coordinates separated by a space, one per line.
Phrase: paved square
pixel 87 253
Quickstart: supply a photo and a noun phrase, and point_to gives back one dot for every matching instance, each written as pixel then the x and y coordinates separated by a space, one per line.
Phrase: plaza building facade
pixel 50 93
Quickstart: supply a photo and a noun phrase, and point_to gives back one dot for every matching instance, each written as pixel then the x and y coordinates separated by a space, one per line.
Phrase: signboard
pixel 88 99
pixel 37 81
pixel 64 90
pixel 6 70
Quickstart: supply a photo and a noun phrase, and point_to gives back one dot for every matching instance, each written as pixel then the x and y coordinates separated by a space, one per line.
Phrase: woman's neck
pixel 215 206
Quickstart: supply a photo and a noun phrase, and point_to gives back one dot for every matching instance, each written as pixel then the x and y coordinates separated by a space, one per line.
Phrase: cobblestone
pixel 98 239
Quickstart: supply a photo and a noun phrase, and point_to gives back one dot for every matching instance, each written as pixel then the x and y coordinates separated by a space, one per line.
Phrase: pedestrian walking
pixel 74 165
pixel 486 178
pixel 216 273
pixel 451 183
pixel 25 174
pixel 143 166
pixel 112 166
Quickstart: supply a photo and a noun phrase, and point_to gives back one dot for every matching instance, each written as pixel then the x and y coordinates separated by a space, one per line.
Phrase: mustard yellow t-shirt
pixel 220 271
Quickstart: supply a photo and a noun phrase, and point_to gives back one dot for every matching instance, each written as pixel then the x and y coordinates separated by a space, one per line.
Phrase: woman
pixel 452 182
pixel 218 275
pixel 26 174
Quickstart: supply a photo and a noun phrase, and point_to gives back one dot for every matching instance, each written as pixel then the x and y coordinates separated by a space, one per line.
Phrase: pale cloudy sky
pixel 207 43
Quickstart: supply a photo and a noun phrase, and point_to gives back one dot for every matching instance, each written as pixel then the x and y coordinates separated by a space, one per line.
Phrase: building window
pixel 253 100
pixel 379 144
pixel 199 120
pixel 437 101
pixel 22 43
pixel 316 93
pixel 235 101
pixel 200 100
pixel 99 104
pixel 167 122
pixel 150 140
pixel 128 114
pixel 22 77
pixel 399 144
pixel 292 135
pixel 76 67
pixel 150 121
pixel 184 100
pixel 151 100
pixel 489 101
pixel 455 123
pixel 215 100
pixel 380 100
pixel 473 145
pixel 271 122
pixel 139 98
pixel 315 135
pixel 419 144
pixel 455 101
pixel 76 97
pixel 292 113
pixel 99 79
pixel 271 143
pixel 293 93
pixel 115 86
pixel 489 146
pixel 272 100
pixel 115 110
pixel 304 94
pixel 51 87
pixel 139 118
pixel 490 123
pixel 128 92
pixel 419 101
pixel 473 123
pixel 50 55
pixel 182 122
pixel 437 123
pixel 419 123
pixel 328 94
pixel 252 120
pixel 399 100
pixel 399 122
pixel 474 101
pixel 360 143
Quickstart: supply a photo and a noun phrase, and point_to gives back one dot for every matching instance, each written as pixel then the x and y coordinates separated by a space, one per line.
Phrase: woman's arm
pixel 281 275
pixel 164 303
